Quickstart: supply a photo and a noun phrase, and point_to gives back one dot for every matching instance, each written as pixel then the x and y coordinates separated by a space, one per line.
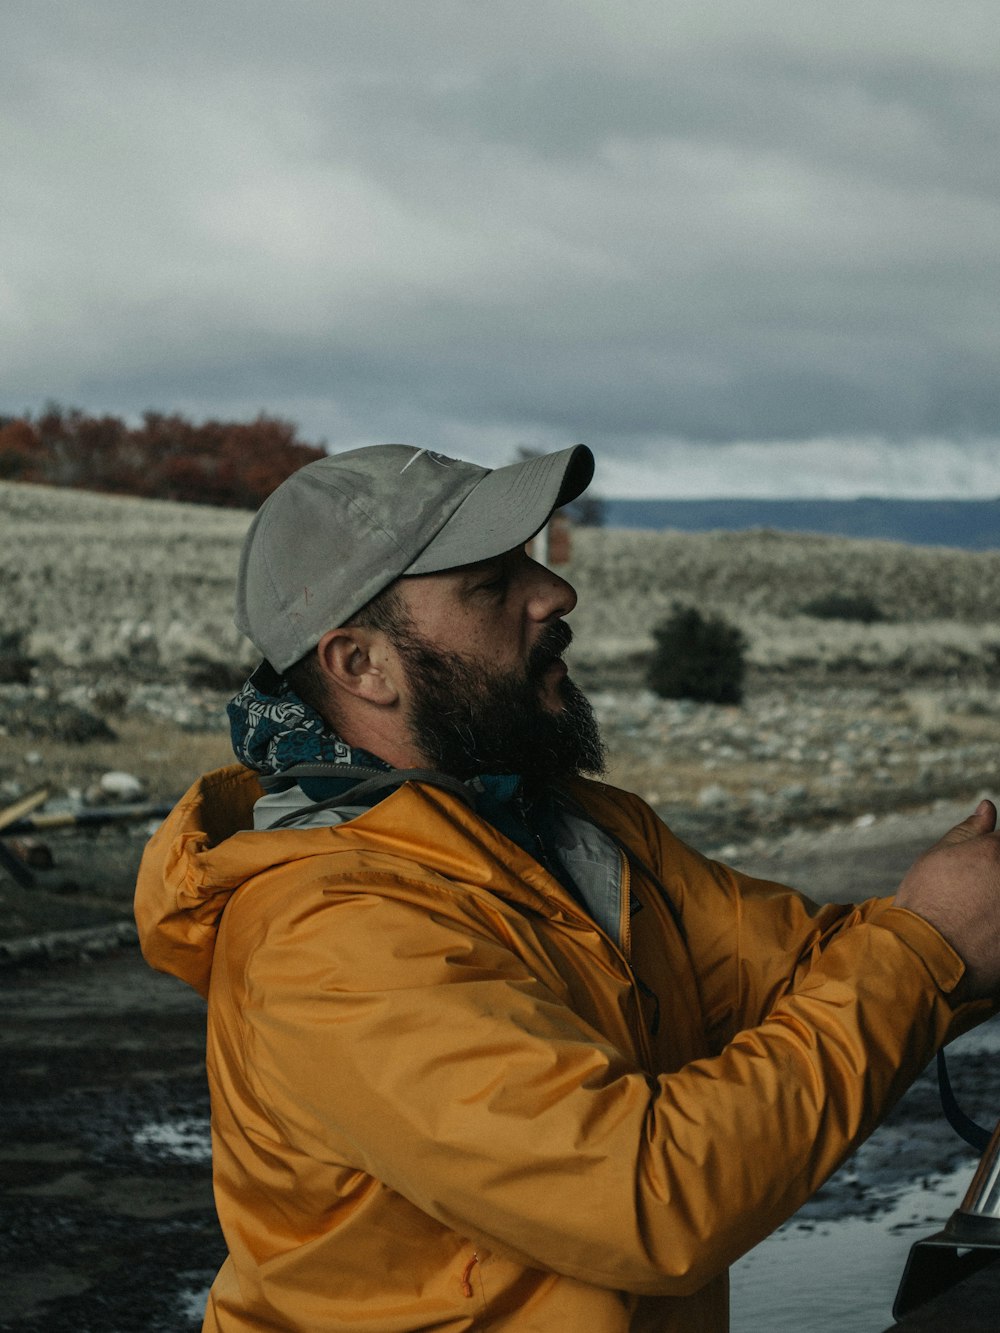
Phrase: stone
pixel 121 786
pixel 713 797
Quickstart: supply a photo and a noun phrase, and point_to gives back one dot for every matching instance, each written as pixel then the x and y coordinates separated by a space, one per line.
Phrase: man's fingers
pixel 982 820
pixel 957 889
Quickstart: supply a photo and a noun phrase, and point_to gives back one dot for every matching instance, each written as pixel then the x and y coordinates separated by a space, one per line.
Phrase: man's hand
pixel 955 885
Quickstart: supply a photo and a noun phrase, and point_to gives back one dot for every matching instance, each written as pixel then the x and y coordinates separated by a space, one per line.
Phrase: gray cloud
pixel 651 228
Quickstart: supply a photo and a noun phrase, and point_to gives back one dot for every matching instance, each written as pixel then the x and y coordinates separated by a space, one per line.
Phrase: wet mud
pixel 109 1224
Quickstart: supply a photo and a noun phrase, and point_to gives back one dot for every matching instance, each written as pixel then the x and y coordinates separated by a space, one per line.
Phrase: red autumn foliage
pixel 230 463
pixel 20 451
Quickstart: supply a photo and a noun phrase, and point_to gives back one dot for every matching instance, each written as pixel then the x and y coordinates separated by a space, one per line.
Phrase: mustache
pixel 554 641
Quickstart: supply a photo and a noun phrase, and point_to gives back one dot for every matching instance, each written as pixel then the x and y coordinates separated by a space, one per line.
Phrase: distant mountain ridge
pixel 972 525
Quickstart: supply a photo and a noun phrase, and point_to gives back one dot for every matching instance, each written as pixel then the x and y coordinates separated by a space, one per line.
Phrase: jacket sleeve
pixel 407 1039
pixel 753 941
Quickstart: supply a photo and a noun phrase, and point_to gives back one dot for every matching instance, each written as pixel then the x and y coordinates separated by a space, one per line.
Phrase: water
pixel 191 1302
pixel 182 1139
pixel 842 1276
pixel 829 1277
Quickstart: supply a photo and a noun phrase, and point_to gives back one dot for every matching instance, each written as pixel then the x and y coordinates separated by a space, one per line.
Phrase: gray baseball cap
pixel 339 530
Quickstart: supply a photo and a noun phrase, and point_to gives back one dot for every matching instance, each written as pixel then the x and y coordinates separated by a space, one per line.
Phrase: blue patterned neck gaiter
pixel 272 729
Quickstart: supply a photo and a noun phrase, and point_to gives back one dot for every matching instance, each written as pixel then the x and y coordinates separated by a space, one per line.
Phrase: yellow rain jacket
pixel 444 1098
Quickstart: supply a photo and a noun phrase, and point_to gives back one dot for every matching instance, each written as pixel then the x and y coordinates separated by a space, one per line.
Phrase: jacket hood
pixel 207 848
pixel 190 868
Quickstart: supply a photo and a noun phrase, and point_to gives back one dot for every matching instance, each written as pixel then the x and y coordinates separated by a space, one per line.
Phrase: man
pixel 488 1046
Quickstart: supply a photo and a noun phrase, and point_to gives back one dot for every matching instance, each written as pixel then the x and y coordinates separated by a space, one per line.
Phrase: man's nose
pixel 551 596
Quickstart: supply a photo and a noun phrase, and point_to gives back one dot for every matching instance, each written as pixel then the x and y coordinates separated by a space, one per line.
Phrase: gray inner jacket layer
pixel 589 856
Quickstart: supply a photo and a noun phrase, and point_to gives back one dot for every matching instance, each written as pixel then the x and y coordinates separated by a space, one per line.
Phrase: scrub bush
pixel 845 606
pixel 697 657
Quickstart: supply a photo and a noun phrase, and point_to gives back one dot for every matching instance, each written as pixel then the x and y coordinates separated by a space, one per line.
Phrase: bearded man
pixel 488 1046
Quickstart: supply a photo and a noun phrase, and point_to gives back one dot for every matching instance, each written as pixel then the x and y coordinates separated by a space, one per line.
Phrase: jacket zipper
pixel 625 907
pixel 467 1276
pixel 625 934
pixel 625 931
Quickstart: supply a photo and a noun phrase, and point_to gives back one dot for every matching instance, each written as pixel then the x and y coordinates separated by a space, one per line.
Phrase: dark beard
pixel 467 719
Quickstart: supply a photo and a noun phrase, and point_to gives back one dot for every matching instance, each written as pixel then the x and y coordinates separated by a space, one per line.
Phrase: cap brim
pixel 507 508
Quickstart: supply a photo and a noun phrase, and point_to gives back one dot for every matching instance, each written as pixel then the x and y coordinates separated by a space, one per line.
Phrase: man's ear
pixel 356 661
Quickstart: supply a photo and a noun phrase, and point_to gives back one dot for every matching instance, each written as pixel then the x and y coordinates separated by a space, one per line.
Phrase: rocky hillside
pixel 146 586
pixel 938 606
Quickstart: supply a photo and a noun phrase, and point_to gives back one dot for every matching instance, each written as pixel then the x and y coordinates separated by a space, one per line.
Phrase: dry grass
pixel 95 578
pixel 165 758
pixel 776 573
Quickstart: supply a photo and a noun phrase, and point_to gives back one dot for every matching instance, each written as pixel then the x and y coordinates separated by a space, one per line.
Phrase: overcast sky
pixel 736 249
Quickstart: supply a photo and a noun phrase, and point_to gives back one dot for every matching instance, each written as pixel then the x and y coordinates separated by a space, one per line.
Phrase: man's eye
pixel 496 585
